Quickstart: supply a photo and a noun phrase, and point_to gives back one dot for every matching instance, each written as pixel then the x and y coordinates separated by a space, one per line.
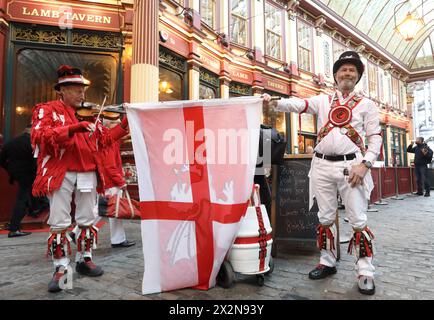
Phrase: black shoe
pixel 426 194
pixel 88 268
pixel 18 233
pixel 124 244
pixel 321 271
pixel 53 285
pixel 366 285
pixel 419 193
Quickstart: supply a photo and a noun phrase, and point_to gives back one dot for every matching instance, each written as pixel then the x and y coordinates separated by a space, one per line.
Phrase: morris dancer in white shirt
pixel 342 163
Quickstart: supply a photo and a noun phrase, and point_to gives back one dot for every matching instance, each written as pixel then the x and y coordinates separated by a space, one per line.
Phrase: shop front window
pixel 308 132
pixel 209 85
pixel 172 76
pixel 169 86
pixel 36 75
pixel 398 146
pixel 238 27
pixel 206 92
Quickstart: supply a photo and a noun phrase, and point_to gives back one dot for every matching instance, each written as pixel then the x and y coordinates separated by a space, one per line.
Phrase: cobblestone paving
pixel 404 260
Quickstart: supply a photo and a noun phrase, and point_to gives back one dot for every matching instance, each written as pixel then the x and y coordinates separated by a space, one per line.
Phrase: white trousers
pixel 60 204
pixel 60 208
pixel 327 177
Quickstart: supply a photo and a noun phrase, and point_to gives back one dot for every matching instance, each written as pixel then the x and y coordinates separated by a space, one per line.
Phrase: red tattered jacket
pixel 112 169
pixel 58 153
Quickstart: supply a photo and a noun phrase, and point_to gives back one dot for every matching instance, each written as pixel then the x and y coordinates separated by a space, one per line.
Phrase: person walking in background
pixel 422 157
pixel 16 158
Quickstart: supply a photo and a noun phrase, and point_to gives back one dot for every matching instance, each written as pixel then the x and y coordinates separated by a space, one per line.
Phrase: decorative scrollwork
pixel 109 41
pixel 45 36
pixel 172 61
pixel 241 89
pixel 209 78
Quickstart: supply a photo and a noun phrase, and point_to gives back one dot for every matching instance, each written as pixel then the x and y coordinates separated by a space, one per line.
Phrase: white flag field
pixel 195 167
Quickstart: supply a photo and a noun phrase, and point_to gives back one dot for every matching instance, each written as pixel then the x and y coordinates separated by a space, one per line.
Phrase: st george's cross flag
pixel 195 165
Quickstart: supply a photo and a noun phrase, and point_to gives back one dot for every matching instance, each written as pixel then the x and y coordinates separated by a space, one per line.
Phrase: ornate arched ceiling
pixel 375 19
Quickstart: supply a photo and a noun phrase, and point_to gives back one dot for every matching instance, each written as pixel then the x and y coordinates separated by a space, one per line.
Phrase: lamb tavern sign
pixel 64 15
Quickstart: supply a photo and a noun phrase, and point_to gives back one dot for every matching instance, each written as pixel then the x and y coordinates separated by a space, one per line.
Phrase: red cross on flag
pixel 195 166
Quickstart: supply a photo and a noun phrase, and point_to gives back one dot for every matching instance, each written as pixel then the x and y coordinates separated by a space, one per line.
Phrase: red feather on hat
pixel 64 69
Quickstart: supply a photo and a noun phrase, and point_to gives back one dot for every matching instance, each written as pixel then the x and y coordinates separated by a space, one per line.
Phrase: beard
pixel 347 84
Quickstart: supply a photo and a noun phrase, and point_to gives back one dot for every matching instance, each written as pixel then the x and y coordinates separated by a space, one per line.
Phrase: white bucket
pixel 244 254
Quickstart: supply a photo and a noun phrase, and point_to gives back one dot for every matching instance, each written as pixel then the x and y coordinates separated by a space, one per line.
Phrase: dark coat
pixel 419 158
pixel 17 158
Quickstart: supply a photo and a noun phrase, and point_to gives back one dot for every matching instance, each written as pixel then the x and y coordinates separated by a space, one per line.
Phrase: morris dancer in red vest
pixel 341 163
pixel 66 150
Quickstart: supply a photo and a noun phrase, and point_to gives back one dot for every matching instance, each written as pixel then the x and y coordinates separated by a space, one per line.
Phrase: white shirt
pixel 365 120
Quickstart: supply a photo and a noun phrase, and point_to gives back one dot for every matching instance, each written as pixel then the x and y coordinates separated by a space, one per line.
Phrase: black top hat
pixel 349 57
pixel 67 75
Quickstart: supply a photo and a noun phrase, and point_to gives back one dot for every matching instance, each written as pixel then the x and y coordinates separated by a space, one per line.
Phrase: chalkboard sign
pixel 291 218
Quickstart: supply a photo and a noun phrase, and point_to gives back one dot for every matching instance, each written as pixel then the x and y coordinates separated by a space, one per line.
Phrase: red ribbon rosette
pixel 340 116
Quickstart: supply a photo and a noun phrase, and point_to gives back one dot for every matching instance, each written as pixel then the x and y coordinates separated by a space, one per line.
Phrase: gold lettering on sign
pixel 275 85
pixel 45 13
pixel 48 13
pixel 240 75
pixel 212 63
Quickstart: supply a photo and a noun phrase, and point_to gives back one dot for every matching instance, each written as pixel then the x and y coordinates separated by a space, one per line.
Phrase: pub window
pixel 209 85
pixel 395 94
pixel 239 26
pixel 207 12
pixel 238 90
pixel 36 76
pixel 373 79
pixel 304 32
pixel 172 76
pixel 35 58
pixel 273 33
